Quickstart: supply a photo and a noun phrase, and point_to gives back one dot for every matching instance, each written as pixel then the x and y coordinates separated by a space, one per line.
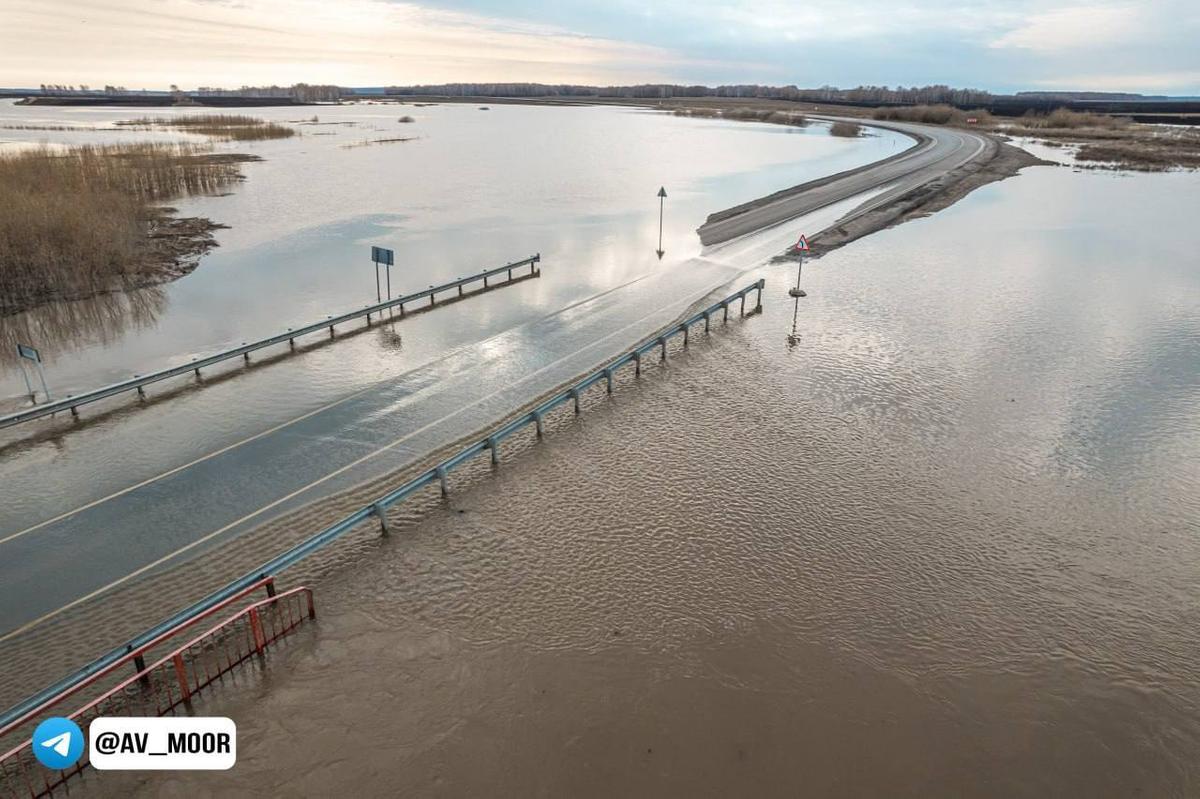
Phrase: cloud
pixel 1000 45
pixel 1142 82
pixel 352 42
pixel 1077 27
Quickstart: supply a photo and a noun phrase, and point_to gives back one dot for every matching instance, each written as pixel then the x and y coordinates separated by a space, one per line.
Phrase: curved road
pixel 49 565
pixel 937 152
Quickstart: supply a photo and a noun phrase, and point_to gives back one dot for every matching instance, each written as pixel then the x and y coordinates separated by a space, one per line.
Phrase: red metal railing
pixel 134 656
pixel 169 682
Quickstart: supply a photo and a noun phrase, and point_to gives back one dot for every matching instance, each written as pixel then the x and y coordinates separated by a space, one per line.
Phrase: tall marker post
pixel 799 248
pixel 662 196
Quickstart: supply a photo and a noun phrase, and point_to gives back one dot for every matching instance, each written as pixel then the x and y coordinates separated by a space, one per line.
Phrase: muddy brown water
pixel 942 542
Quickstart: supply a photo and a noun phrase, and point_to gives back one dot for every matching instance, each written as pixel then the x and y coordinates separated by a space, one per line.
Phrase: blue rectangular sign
pixel 28 352
pixel 382 255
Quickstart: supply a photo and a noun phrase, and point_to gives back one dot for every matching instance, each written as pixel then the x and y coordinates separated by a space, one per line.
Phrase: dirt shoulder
pixel 1005 161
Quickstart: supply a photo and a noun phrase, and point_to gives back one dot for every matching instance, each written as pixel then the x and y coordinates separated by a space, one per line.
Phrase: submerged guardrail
pixel 378 508
pixel 170 682
pixel 139 382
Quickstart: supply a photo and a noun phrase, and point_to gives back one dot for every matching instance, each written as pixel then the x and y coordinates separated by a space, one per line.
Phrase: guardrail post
pixel 445 485
pixel 270 587
pixel 637 364
pixel 381 514
pixel 485 285
pixel 312 608
pixel 460 289
pixel 742 312
pixel 575 396
pixel 608 375
pixel 401 310
pixel 432 302
pixel 662 341
pixel 75 409
pixel 758 299
pixel 141 391
pixel 510 274
pixel 725 306
pixel 537 423
pixel 686 330
pixel 706 322
pixel 139 665
pixel 494 446
pixel 260 640
pixel 185 690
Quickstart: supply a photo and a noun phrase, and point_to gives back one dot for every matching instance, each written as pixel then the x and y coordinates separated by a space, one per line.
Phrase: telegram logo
pixel 58 743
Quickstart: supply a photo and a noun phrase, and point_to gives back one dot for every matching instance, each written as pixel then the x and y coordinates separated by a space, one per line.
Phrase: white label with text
pixel 167 743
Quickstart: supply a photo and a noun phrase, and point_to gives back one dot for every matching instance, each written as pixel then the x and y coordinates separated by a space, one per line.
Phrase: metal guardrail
pixel 139 382
pixel 169 682
pixel 132 654
pixel 378 508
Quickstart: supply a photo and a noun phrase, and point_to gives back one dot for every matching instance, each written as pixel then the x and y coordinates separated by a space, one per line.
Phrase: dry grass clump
pixel 75 222
pixel 1066 119
pixel 934 115
pixel 744 115
pixel 224 127
pixel 849 130
pixel 1151 151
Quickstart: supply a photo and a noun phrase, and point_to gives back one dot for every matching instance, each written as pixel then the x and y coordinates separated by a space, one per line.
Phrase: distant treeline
pixel 300 92
pixel 874 95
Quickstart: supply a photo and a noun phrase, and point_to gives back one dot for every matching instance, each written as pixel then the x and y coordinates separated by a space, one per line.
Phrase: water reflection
pixel 63 327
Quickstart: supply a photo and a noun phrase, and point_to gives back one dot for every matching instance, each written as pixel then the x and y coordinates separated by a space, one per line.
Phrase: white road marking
pixel 142 570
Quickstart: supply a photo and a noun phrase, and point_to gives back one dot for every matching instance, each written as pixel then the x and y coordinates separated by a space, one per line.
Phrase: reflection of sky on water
pixel 474 191
pixel 1056 314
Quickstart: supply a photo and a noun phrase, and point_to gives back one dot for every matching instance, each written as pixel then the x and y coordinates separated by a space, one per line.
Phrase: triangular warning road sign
pixel 802 245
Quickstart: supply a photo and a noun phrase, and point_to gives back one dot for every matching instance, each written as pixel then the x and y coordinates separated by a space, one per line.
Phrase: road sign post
pixel 383 257
pixel 31 354
pixel 799 248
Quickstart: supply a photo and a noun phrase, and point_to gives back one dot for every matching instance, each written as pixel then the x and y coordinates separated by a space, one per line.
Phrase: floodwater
pixel 938 539
pixel 475 189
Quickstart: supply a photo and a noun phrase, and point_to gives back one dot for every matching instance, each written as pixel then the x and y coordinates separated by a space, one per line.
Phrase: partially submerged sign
pixel 29 353
pixel 382 255
pixel 802 245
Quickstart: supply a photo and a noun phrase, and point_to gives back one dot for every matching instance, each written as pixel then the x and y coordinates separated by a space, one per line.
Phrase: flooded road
pixel 940 539
pixel 135 486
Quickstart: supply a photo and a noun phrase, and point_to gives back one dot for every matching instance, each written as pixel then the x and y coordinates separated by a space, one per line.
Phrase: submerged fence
pixel 378 508
pixel 169 682
pixel 139 382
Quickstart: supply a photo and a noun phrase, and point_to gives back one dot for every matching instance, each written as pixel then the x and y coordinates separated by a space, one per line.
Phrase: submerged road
pixel 938 152
pixel 51 564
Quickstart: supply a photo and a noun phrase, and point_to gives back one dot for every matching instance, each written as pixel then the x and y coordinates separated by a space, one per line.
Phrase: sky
pixel 1000 45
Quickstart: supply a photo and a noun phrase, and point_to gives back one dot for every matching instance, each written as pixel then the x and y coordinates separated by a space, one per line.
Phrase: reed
pixel 848 130
pixel 223 127
pixel 934 115
pixel 78 221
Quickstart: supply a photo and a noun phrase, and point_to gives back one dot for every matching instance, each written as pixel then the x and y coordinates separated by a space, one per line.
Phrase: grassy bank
pixel 85 220
pixel 222 127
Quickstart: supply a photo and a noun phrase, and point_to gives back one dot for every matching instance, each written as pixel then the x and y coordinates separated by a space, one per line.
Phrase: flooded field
pixel 474 189
pixel 471 190
pixel 935 537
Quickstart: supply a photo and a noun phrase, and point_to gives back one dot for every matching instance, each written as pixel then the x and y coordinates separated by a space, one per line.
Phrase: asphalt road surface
pixel 143 522
pixel 938 151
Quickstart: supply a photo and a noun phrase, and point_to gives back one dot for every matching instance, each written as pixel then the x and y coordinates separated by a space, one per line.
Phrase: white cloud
pixel 1157 81
pixel 351 42
pixel 1077 27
